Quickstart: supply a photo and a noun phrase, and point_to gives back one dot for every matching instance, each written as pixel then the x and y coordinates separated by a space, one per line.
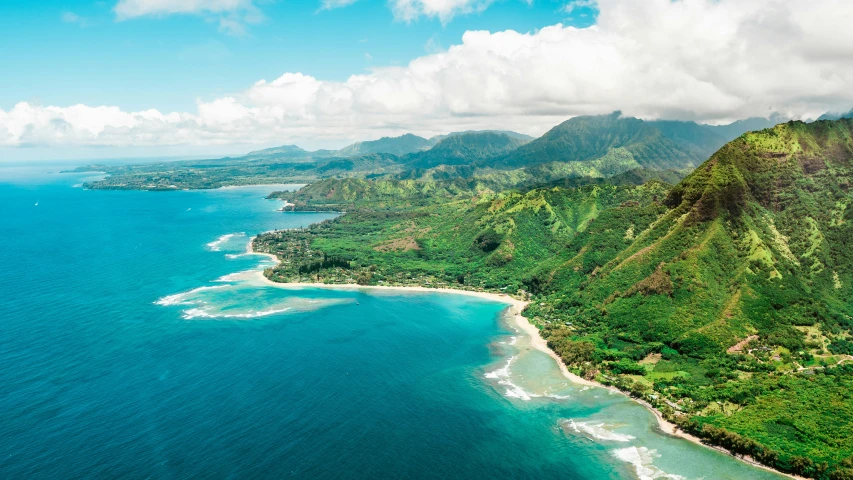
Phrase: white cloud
pixel 408 10
pixel 138 8
pixel 231 15
pixel 579 4
pixel 708 60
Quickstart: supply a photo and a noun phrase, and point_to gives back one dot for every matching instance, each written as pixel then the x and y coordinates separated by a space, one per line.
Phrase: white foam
pixel 502 372
pixel 642 459
pixel 216 244
pixel 181 298
pixel 231 277
pixel 598 431
pixel 201 313
pixel 513 340
pixel 513 390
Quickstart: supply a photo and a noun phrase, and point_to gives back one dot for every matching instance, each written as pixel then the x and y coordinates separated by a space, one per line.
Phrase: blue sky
pixel 70 51
pixel 209 77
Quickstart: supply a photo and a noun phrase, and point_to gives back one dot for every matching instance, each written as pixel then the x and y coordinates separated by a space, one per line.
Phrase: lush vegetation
pixel 464 149
pixel 261 168
pixel 399 146
pixel 592 137
pixel 723 301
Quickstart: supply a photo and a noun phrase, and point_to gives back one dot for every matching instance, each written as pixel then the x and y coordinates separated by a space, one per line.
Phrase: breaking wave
pixel 598 431
pixel 217 244
pixel 642 460
pixel 232 277
pixel 202 313
pixel 512 390
pixel 182 298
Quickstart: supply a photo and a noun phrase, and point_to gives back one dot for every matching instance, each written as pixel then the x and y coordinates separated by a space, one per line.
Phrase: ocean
pixel 138 341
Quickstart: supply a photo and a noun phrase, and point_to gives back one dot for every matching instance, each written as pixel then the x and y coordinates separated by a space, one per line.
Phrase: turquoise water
pixel 137 341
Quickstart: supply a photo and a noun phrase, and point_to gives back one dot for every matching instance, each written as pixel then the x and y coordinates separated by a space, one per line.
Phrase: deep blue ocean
pixel 137 341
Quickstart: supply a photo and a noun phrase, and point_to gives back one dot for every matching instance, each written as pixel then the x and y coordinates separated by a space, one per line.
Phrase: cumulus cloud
pixel 706 60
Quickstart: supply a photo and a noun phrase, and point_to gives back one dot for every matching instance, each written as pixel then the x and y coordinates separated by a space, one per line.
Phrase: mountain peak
pixel 465 149
pixel 588 137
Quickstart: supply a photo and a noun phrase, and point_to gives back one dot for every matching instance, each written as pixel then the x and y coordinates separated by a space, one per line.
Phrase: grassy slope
pixel 464 149
pixel 754 245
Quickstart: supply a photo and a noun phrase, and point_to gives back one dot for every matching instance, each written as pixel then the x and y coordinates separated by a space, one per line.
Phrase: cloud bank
pixel 706 60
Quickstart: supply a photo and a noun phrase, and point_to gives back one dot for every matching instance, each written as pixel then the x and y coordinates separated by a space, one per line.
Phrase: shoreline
pixel 250 250
pixel 517 306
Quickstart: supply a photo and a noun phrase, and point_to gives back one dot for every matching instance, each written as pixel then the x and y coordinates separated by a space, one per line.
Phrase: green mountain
pixel 586 138
pixel 723 301
pixel 701 140
pixel 515 135
pixel 399 146
pixel 465 149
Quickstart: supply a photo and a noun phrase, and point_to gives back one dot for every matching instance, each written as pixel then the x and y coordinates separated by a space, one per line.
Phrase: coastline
pixel 517 306
pixel 250 250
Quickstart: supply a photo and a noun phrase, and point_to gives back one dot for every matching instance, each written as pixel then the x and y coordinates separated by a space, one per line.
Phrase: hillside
pixel 701 140
pixel 350 194
pixel 399 146
pixel 514 135
pixel 586 138
pixel 464 149
pixel 723 301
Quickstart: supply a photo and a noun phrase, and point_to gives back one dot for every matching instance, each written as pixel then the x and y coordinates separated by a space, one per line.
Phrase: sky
pixel 93 79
